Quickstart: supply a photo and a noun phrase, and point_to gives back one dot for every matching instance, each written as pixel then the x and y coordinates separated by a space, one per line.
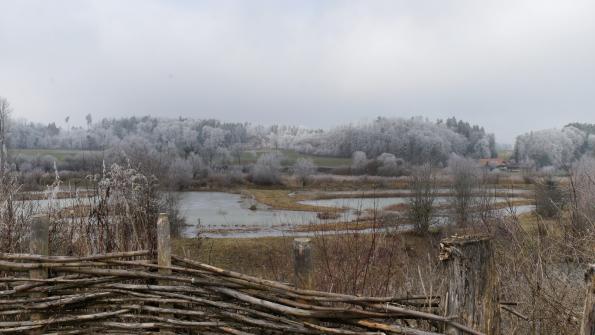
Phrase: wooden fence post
pixel 588 324
pixel 39 245
pixel 472 296
pixel 302 263
pixel 164 257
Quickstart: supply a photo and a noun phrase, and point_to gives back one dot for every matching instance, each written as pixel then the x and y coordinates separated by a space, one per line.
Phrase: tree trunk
pixel 588 325
pixel 164 259
pixel 39 245
pixel 472 296
pixel 302 262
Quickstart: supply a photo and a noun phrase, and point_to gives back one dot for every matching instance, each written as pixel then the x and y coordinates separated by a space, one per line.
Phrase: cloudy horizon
pixel 509 66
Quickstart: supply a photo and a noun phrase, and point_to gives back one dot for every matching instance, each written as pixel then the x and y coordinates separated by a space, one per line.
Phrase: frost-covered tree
pixel 214 138
pixel 198 166
pixel 359 161
pixel 482 148
pixel 5 111
pixel 303 169
pixel 390 165
pixel 222 158
pixel 180 174
pixel 416 140
pixel 551 147
pixel 480 144
pixel 267 170
pixel 236 150
pixel 89 120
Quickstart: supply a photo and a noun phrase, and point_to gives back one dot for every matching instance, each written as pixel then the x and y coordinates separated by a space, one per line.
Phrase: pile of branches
pixel 127 292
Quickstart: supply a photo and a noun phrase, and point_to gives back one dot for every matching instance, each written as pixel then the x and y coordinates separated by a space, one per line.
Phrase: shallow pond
pixel 213 211
pixel 219 214
pixel 357 203
pixel 41 205
pixel 229 215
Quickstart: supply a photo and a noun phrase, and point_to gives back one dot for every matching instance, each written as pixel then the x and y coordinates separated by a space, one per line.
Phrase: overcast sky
pixel 511 66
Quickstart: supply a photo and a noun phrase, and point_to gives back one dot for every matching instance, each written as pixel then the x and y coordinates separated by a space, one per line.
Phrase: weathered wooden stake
pixel 302 262
pixel 39 245
pixel 588 325
pixel 164 256
pixel 472 297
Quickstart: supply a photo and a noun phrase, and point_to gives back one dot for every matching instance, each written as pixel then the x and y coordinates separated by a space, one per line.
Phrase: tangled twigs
pixel 120 292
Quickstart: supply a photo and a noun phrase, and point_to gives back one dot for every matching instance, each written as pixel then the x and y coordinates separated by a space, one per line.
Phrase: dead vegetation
pixel 539 260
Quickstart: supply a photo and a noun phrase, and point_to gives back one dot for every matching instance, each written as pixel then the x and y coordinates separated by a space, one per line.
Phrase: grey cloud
pixel 509 65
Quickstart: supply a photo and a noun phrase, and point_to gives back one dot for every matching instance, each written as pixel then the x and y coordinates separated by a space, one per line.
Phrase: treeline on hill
pixel 177 151
pixel 414 140
pixel 187 149
pixel 554 148
pixel 198 147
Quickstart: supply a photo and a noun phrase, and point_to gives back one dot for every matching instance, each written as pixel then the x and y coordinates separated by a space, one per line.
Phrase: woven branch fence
pixel 134 293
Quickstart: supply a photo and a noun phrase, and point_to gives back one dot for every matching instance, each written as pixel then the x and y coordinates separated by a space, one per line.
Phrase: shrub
pixel 359 161
pixel 423 195
pixel 267 170
pixel 464 178
pixel 303 169
pixel 549 197
pixel 390 165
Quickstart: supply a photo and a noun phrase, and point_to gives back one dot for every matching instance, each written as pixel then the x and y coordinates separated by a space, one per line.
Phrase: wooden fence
pixel 131 293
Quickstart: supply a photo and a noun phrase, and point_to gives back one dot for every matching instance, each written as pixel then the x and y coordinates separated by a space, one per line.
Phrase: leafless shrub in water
pixel 423 195
pixel 463 172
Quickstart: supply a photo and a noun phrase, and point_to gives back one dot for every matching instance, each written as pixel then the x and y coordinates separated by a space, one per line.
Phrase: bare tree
pixel 423 195
pixel 464 177
pixel 582 194
pixel 12 213
pixel 5 111
pixel 485 196
pixel 549 197
pixel 89 119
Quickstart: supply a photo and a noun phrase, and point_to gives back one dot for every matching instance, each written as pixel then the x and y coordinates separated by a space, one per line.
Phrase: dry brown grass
pixel 500 205
pixel 336 226
pixel 269 257
pixel 280 199
pixel 392 261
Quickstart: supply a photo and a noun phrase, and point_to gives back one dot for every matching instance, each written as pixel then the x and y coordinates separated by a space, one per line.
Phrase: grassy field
pixel 290 157
pixel 505 154
pixel 59 154
pixel 271 257
pixel 248 255
pixel 280 199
